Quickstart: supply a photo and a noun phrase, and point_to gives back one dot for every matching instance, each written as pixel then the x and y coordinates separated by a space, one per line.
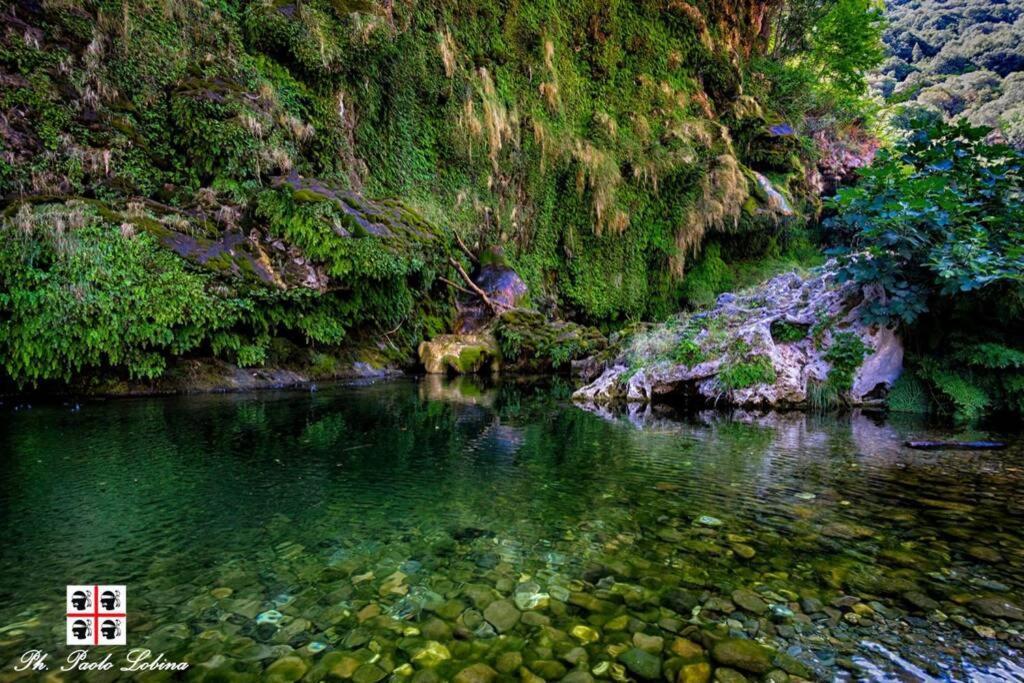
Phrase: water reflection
pixel 365 522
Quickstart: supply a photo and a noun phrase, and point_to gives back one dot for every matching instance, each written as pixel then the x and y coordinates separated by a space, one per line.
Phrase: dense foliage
pixel 938 223
pixel 601 144
pixel 961 58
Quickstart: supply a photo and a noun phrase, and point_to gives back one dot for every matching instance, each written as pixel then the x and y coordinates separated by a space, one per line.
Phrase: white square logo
pixel 97 615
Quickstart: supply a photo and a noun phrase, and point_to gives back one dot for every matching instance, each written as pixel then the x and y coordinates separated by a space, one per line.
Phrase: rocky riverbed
pixel 472 533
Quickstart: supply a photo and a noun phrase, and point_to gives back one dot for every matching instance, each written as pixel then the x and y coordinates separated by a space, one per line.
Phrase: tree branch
pixel 493 305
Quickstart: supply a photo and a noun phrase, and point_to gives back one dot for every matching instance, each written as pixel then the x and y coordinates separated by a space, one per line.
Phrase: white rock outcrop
pixel 790 322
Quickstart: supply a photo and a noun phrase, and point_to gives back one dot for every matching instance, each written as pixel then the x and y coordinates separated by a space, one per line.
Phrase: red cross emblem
pixel 97 615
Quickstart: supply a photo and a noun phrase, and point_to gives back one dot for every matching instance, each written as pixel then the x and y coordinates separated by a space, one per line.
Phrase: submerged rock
pixel 745 655
pixel 787 343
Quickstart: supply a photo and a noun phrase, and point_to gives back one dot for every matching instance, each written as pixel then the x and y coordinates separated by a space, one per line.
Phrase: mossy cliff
pixel 184 179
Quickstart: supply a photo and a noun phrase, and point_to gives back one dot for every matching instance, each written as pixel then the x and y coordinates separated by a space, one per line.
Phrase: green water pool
pixel 434 530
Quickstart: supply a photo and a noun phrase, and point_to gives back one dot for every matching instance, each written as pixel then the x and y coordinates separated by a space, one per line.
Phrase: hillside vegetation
pixel 596 143
pixel 963 58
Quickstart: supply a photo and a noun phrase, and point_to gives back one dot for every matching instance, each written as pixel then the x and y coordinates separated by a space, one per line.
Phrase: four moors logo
pixel 97 615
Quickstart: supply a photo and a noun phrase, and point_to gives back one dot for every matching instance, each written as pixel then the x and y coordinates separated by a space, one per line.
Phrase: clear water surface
pixel 346 532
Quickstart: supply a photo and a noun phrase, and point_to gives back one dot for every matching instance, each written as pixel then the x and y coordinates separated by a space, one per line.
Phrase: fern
pixel 991 356
pixel 959 391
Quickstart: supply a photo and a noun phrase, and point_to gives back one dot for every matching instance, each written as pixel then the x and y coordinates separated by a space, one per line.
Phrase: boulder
pixel 502 285
pixel 532 343
pixel 461 354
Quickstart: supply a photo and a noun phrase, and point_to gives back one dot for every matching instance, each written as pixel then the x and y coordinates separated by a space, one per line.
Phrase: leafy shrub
pixel 77 293
pixel 747 373
pixel 938 224
pixel 844 354
pixel 784 332
pixel 940 216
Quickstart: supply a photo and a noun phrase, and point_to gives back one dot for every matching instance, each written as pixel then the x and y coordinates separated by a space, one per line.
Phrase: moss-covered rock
pixel 531 343
pixel 461 354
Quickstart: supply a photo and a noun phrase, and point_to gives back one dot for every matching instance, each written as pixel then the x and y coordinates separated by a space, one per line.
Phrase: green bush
pixel 79 293
pixel 938 223
pixel 747 373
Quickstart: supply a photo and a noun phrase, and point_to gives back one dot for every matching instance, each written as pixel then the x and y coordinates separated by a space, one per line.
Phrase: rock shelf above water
pixel 792 342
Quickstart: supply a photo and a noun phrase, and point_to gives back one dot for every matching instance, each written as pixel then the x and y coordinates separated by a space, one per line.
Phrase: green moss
pixel 688 353
pixel 784 332
pixel 470 360
pixel 528 341
pixel 747 373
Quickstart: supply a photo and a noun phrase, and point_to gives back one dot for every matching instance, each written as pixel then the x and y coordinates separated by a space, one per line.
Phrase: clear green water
pixel 215 510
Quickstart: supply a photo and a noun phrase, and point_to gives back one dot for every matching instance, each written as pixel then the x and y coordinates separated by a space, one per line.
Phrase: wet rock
pixel 548 669
pixel 749 601
pixel 529 596
pixel 642 663
pixel 508 662
pixel 535 619
pixel 476 673
pixel 502 615
pixel 286 670
pixel 649 643
pixel 578 677
pixel 589 602
pixel 920 601
pixel 585 634
pixel 369 673
pixel 460 354
pixel 997 608
pixel 984 553
pixel 345 667
pixel 432 654
pixel 697 672
pixel 685 648
pixel 726 675
pixel 745 655
pixel 743 550
pixel 846 531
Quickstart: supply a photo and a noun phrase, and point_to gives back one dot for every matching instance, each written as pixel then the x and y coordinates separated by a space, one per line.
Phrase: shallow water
pixel 252 528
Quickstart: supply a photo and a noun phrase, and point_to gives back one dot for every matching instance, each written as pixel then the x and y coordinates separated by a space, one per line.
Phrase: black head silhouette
pixel 80 600
pixel 109 599
pixel 80 629
pixel 110 628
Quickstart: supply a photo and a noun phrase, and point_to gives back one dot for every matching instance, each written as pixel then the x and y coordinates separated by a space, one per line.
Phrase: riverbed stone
pixel 997 608
pixel 432 654
pixel 696 672
pixel 476 673
pixel 548 669
pixel 502 615
pixel 749 601
pixel 642 663
pixel 648 643
pixel 742 654
pixel 508 662
pixel 369 673
pixel 727 675
pixel 286 670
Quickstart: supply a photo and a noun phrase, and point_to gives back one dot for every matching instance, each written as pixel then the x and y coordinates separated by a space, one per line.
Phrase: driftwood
pixel 462 245
pixel 495 306
pixel 956 445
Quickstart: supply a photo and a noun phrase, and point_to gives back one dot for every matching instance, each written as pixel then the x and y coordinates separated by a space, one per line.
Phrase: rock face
pixel 461 354
pixel 791 342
